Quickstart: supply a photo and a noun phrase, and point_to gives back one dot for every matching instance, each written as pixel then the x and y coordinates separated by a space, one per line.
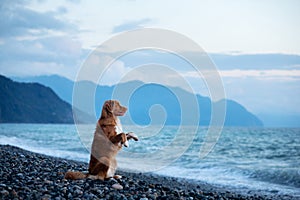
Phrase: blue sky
pixel 255 44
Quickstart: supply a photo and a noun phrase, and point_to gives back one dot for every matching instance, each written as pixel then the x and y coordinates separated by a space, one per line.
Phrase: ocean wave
pixel 80 154
pixel 289 177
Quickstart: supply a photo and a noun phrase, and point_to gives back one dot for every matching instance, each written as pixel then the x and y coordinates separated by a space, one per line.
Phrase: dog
pixel 108 141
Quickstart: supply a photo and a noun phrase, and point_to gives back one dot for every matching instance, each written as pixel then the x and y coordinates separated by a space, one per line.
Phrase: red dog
pixel 106 144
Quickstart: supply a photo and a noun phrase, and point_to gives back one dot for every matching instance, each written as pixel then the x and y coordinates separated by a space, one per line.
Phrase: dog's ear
pixel 109 105
pixel 107 109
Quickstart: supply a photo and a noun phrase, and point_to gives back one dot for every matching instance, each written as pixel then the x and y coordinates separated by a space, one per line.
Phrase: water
pixel 245 159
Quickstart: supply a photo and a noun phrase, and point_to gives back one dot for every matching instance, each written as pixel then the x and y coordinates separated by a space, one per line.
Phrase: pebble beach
pixel 28 175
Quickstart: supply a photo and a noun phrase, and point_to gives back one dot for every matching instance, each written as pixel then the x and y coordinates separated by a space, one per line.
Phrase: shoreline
pixel 28 175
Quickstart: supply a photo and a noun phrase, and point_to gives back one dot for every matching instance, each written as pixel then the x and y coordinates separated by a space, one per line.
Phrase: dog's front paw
pixel 132 135
pixel 124 140
pixel 126 144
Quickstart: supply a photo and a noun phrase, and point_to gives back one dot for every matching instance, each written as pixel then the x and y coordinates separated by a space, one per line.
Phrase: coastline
pixel 28 175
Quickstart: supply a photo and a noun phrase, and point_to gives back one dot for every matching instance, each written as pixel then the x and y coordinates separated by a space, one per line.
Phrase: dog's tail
pixel 75 175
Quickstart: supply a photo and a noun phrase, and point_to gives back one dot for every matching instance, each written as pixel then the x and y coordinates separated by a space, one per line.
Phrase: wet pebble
pixel 117 186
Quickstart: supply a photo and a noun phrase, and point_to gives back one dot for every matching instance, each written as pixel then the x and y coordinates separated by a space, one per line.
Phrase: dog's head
pixel 112 108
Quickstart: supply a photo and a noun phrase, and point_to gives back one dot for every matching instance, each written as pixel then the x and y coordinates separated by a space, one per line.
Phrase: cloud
pixel 256 61
pixel 238 73
pixel 114 74
pixel 36 68
pixel 74 1
pixel 57 49
pixel 221 61
pixel 18 20
pixel 33 68
pixel 48 55
pixel 36 43
pixel 279 74
pixel 131 25
pixel 264 95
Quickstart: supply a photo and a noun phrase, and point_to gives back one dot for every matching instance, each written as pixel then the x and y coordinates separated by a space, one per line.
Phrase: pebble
pixel 117 186
pixel 46 197
pixel 105 188
pixel 48 182
pixel 4 192
pixel 78 192
pixel 70 196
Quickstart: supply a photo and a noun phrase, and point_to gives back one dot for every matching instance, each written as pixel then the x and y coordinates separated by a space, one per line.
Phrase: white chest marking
pixel 118 127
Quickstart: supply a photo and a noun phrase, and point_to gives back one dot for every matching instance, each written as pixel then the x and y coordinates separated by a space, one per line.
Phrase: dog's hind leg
pixel 99 170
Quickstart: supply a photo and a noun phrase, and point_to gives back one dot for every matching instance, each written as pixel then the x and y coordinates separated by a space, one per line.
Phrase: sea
pixel 264 160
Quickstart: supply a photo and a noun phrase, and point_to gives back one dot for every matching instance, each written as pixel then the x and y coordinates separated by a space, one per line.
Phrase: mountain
pixel 143 98
pixel 63 87
pixel 174 101
pixel 31 103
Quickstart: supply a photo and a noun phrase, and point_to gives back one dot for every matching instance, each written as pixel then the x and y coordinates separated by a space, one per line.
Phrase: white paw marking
pixel 133 135
pixel 126 144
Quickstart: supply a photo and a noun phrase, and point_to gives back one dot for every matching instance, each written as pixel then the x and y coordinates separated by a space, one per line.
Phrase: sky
pixel 255 45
